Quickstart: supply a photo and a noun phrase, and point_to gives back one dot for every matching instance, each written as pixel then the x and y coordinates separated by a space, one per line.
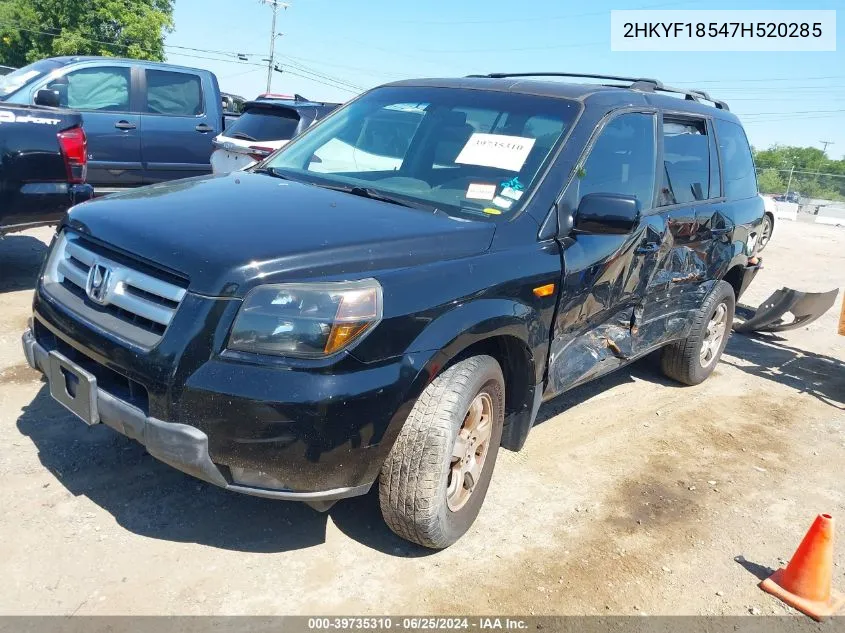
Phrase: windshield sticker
pixel 499 201
pixel 513 194
pixel 492 211
pixel 496 150
pixel 478 191
pixel 418 108
pixel 512 188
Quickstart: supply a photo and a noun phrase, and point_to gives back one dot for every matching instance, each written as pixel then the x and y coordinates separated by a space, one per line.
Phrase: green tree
pixel 769 181
pixel 34 29
pixel 815 175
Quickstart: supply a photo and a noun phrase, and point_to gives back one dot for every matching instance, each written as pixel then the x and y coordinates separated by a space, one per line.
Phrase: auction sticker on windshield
pixel 478 191
pixel 496 150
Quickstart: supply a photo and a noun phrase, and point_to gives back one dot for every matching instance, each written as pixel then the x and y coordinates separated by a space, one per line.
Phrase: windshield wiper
pixel 372 194
pixel 272 171
pixel 241 135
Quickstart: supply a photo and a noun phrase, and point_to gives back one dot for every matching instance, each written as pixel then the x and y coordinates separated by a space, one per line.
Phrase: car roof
pixel 288 104
pixel 642 93
pixel 293 102
pixel 72 59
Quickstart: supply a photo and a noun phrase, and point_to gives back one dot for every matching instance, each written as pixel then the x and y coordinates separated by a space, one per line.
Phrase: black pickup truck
pixel 43 162
pixel 391 296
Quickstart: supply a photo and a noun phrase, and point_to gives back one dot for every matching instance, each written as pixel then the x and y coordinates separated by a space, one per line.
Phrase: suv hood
pixel 228 233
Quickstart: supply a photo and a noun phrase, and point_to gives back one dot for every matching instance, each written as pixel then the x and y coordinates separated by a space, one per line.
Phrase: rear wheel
pixel 435 479
pixel 765 232
pixel 692 360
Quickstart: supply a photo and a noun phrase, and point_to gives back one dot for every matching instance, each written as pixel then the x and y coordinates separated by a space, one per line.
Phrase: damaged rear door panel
pixel 623 296
pixel 607 276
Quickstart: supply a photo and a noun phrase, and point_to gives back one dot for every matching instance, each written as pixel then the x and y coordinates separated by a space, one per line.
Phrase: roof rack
pixel 636 83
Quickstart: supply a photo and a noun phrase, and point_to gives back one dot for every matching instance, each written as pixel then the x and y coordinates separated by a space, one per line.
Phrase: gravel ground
pixel 633 495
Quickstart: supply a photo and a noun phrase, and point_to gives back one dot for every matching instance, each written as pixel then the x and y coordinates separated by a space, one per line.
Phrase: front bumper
pixel 186 447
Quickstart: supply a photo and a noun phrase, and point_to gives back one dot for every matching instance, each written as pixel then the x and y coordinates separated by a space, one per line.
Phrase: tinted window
pixel 460 151
pixel 686 162
pixel 737 163
pixel 265 124
pixel 621 161
pixel 174 94
pixel 389 133
pixel 101 88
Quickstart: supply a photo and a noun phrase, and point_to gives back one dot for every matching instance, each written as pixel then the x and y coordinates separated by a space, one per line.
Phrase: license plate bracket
pixel 73 387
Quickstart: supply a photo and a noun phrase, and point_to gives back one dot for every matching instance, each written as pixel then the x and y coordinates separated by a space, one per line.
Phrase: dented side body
pixel 623 296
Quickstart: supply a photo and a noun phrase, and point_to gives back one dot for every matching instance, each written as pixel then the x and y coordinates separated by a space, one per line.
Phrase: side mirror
pixel 47 97
pixel 607 213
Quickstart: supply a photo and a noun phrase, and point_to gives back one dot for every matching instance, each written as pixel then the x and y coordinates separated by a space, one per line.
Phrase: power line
pixel 345 85
pixel 755 79
pixel 513 20
pixel 797 112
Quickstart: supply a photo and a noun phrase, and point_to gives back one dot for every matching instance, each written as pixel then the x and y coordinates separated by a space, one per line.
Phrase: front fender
pixel 473 322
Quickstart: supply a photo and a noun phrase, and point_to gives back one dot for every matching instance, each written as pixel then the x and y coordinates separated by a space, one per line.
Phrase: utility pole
pixel 825 143
pixel 789 184
pixel 273 35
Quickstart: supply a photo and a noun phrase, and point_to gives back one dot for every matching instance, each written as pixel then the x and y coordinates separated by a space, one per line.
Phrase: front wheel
pixel 435 479
pixel 693 359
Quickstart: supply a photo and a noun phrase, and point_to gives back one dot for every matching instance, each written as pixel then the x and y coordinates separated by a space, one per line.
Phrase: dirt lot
pixel 632 495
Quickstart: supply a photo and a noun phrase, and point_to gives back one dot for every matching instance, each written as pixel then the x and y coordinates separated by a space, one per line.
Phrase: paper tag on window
pixel 499 201
pixel 496 150
pixel 513 194
pixel 478 191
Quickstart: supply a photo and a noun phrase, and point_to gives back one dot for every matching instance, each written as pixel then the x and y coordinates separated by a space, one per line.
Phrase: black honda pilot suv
pixel 393 294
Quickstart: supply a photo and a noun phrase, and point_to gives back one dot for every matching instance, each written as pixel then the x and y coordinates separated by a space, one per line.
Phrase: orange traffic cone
pixel 805 583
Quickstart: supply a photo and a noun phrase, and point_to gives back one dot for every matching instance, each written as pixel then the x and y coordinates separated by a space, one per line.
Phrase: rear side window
pixel 686 163
pixel 622 161
pixel 737 162
pixel 173 94
pixel 265 124
pixel 103 88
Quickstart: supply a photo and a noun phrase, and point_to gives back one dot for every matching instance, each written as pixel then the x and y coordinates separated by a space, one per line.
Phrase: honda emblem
pixel 97 286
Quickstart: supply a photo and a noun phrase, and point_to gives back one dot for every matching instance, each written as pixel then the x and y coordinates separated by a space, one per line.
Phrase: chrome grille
pixel 106 286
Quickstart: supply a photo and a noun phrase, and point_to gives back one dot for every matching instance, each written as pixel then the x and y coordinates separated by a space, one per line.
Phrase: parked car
pixel 232 104
pixel 298 334
pixel 146 122
pixel 768 228
pixel 264 126
pixel 42 166
pixel 5 70
pixel 793 197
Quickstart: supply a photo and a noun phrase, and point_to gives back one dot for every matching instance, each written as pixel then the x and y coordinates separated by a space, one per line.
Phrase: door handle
pixel 125 125
pixel 204 127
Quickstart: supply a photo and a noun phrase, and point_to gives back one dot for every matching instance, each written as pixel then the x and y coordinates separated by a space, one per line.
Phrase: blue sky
pixel 787 98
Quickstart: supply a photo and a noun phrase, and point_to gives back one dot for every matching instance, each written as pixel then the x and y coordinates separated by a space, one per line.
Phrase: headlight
pixel 306 320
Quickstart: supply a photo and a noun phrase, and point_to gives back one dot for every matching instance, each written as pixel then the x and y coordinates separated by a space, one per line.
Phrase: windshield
pixel 16 80
pixel 461 151
pixel 265 124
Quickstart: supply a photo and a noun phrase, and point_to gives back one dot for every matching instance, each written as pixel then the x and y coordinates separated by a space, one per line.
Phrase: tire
pixel 414 487
pixel 765 232
pixel 684 360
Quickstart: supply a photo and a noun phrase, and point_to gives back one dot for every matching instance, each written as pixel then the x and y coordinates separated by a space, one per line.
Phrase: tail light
pixel 74 146
pixel 257 152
